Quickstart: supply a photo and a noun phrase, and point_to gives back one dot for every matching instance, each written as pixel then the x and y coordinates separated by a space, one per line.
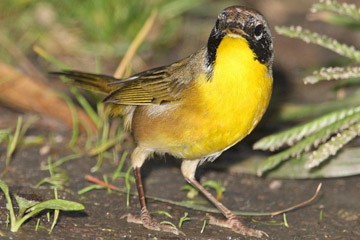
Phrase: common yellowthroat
pixel 198 107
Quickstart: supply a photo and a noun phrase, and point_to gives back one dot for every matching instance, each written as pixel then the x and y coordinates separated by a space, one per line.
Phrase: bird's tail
pixel 93 82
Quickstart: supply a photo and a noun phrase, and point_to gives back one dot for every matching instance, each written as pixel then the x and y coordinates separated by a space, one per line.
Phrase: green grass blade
pixel 37 225
pixel 333 73
pixel 183 219
pixel 321 40
pixel 48 57
pixel 192 192
pixel 56 213
pixel 9 205
pixel 333 146
pixel 128 186
pixel 168 223
pixel 85 105
pixel 163 213
pixel 14 140
pixel 75 119
pixel 65 159
pixel 90 188
pixel 59 204
pixel 285 220
pixel 203 227
pixel 345 163
pixel 120 166
pixel 307 143
pixel 295 134
pixel 105 145
pixel 12 144
pixel 24 204
pixel 345 9
pixel 98 164
pixel 56 217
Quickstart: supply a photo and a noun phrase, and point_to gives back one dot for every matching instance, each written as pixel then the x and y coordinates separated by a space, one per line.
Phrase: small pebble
pixel 275 184
pixel 44 150
pixel 348 215
pixel 59 139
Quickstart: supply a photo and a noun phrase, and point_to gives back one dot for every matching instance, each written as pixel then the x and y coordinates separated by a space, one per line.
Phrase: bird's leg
pixel 145 218
pixel 188 168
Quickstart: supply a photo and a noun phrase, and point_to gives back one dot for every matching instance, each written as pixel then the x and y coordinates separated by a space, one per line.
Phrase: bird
pixel 196 108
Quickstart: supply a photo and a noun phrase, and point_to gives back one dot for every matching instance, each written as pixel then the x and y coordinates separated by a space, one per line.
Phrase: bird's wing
pixel 93 82
pixel 156 86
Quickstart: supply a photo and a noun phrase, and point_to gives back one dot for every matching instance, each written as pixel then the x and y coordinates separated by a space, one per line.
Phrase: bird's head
pixel 237 22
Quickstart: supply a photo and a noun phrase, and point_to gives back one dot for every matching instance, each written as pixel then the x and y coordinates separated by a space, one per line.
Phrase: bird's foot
pixel 237 227
pixel 151 224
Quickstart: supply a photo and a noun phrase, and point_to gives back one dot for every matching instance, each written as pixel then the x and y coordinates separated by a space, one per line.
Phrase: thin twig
pixel 102 183
pixel 209 209
pixel 135 45
pixel 300 204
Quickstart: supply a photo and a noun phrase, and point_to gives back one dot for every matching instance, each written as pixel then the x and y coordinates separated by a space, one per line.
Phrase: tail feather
pixel 94 82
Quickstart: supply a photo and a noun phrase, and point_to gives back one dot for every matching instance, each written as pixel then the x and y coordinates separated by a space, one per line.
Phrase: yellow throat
pixel 233 101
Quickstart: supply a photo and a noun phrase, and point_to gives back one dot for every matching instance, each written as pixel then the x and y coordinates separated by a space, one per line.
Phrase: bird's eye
pixel 259 31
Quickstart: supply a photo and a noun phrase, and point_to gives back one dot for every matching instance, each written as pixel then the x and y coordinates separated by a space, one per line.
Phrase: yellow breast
pixel 217 113
pixel 231 104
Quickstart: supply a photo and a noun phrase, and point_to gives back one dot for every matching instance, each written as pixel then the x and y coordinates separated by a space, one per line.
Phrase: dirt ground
pixel 334 214
pixel 337 203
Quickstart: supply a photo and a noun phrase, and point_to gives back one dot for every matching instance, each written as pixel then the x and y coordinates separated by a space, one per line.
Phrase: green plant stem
pixel 56 212
pixel 17 224
pixel 12 145
pixel 105 145
pixel 9 205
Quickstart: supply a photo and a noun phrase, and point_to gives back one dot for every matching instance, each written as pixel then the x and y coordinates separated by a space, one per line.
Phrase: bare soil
pixel 338 200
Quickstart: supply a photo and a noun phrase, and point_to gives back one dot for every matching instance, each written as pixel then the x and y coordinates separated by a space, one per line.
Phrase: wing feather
pixel 150 87
pixel 162 85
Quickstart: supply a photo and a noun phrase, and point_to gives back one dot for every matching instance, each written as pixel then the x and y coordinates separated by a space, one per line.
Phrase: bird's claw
pixel 151 224
pixel 237 227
